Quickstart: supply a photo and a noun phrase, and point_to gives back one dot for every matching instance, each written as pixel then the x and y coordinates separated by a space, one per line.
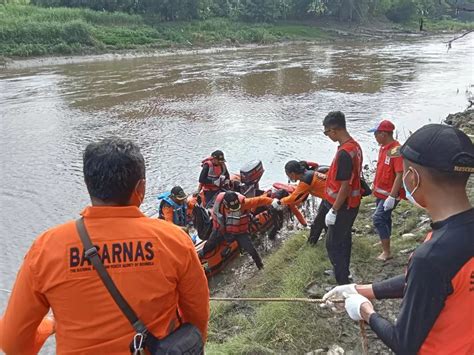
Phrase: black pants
pixel 242 239
pixel 339 242
pixel 318 224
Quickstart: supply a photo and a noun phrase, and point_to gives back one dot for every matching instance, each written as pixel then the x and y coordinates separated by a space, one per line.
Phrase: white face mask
pixel 409 194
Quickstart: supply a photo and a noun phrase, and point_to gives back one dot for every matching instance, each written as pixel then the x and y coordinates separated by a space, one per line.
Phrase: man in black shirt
pixel 436 312
pixel 342 195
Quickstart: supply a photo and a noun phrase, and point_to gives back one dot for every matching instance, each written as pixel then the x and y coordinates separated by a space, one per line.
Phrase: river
pixel 253 103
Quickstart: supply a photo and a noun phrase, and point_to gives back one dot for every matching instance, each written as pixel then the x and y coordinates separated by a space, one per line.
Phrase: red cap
pixel 385 126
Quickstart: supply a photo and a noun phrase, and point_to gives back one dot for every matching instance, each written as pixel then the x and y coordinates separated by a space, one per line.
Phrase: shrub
pixel 401 12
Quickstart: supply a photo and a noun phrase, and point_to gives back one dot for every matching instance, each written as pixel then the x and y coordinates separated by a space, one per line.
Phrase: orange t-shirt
pixel 153 263
pixel 315 187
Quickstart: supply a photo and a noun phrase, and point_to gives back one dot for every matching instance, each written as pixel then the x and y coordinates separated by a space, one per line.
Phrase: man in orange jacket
pixel 231 221
pixel 387 184
pixel 437 295
pixel 152 262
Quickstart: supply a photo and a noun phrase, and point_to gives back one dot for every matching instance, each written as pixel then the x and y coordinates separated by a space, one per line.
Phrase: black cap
pixel 178 193
pixel 231 200
pixel 218 154
pixel 440 147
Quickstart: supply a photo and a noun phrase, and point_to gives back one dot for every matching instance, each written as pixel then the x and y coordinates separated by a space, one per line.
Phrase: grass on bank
pixel 27 30
pixel 268 328
pixel 430 25
pixel 34 31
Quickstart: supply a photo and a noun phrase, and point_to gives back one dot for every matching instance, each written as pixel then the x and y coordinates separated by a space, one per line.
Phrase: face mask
pixel 139 197
pixel 409 195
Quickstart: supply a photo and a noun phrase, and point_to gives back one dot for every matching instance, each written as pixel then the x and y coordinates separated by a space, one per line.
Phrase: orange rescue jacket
pixel 152 262
pixel 316 188
pixel 237 222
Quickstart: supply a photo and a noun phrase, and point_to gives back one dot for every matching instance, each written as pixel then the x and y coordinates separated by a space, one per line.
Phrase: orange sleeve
pixel 19 333
pixel 194 293
pixel 297 196
pixel 299 216
pixel 168 213
pixel 254 202
pixel 190 208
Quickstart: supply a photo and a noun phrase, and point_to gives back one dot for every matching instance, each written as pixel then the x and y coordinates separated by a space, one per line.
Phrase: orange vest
pixel 333 186
pixel 215 171
pixel 386 172
pixel 231 222
pixel 448 334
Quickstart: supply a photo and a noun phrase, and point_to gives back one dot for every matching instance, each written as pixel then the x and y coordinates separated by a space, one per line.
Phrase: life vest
pixel 333 186
pixel 179 211
pixel 230 222
pixel 215 171
pixel 385 174
pixel 262 222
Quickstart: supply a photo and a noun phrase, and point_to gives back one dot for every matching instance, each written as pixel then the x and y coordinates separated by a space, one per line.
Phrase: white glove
pixel 331 217
pixel 353 304
pixel 276 204
pixel 389 203
pixel 339 291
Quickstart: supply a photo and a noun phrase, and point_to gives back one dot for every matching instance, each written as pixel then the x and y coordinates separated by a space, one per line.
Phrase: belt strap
pixel 93 256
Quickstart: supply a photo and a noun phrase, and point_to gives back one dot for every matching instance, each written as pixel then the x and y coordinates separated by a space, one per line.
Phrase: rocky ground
pixel 465 121
pixel 462 120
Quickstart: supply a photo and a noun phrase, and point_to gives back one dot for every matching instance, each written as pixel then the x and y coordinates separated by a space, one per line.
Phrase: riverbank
pixel 30 31
pixel 297 270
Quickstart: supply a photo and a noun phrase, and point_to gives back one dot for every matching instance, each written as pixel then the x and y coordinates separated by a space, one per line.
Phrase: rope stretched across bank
pixel 266 299
pixel 363 334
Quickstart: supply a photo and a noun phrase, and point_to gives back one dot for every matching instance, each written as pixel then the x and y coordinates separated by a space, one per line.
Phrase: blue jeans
pixel 383 219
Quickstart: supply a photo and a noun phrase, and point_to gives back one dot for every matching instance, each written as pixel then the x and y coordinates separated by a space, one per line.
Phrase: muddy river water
pixel 265 103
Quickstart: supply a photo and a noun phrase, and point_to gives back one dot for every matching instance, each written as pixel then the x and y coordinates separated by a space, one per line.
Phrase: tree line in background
pixel 272 10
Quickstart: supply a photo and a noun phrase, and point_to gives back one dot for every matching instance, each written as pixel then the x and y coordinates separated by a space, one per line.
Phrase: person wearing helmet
pixel 231 217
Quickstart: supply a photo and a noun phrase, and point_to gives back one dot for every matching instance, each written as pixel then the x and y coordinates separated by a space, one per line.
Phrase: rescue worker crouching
pixel 231 221
pixel 153 264
pixel 310 183
pixel 176 208
pixel 214 175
